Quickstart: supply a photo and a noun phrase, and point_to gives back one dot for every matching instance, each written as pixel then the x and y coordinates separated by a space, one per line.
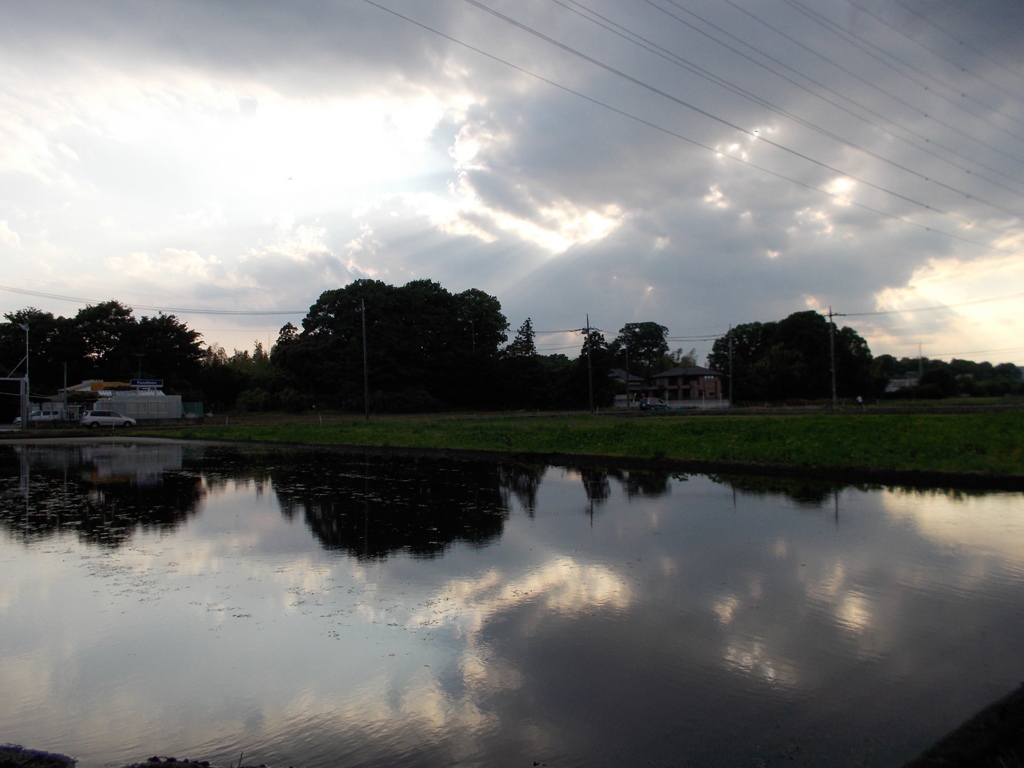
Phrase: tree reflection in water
pixel 103 492
pixel 373 506
pixel 523 482
pixel 305 609
pixel 647 484
pixel 367 505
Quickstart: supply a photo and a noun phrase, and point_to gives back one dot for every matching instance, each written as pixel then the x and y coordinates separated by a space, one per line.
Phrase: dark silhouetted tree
pixel 646 345
pixel 425 347
pixel 792 359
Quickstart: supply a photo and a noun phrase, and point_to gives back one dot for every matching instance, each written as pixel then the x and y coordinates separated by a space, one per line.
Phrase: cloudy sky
pixel 698 163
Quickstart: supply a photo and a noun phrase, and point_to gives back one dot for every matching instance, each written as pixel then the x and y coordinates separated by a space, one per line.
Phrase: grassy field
pixel 985 443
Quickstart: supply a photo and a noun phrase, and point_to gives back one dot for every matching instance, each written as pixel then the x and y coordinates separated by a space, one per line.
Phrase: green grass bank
pixel 970 444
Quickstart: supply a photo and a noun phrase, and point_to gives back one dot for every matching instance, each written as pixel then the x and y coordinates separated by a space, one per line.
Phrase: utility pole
pixel 366 377
pixel 27 391
pixel 590 373
pixel 730 367
pixel 832 351
pixel 625 348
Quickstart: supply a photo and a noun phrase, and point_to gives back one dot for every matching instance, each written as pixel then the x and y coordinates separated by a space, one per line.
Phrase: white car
pixel 39 416
pixel 105 419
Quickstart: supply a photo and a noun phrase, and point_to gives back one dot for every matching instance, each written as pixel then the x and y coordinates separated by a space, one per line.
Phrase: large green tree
pixel 792 359
pixel 165 348
pixel 107 331
pixel 424 345
pixel 524 375
pixel 102 341
pixel 54 348
pixel 589 382
pixel 644 345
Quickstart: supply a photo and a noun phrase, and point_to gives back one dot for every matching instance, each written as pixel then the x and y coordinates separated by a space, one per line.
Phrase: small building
pixel 628 386
pixel 140 401
pixel 143 404
pixel 897 383
pixel 689 385
pixel 93 386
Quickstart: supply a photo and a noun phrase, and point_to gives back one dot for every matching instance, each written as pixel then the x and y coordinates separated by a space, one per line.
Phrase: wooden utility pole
pixel 832 351
pixel 590 372
pixel 366 377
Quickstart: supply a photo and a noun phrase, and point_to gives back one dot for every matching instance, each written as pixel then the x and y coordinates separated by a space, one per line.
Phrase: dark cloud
pixel 698 165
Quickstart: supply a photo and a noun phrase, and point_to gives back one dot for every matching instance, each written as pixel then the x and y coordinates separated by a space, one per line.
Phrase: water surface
pixel 315 608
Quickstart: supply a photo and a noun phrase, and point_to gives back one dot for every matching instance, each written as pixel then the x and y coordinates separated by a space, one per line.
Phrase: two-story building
pixel 688 385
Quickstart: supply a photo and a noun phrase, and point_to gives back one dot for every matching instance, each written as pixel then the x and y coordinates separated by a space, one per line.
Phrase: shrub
pixel 254 400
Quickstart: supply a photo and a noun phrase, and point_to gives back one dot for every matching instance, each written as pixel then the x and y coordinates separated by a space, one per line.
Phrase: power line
pixel 936 307
pixel 957 39
pixel 959 92
pixel 925 147
pixel 181 310
pixel 853 39
pixel 641 41
pixel 557 349
pixel 928 142
pixel 827 89
pixel 702 112
pixel 717 151
pixel 980 352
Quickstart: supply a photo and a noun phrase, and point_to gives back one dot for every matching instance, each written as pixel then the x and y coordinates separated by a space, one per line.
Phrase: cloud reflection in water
pixel 479 610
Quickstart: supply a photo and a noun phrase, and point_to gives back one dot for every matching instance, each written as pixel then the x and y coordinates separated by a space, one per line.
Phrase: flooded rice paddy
pixel 315 608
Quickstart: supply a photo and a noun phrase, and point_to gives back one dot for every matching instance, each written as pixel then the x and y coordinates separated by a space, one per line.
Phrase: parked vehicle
pixel 106 419
pixel 40 416
pixel 653 404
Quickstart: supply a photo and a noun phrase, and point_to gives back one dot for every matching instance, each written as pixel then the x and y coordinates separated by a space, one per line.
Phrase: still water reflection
pixel 314 608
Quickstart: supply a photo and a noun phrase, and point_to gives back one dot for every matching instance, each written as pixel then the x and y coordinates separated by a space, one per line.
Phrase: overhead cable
pixel 181 310
pixel 695 69
pixel 928 143
pixel 694 142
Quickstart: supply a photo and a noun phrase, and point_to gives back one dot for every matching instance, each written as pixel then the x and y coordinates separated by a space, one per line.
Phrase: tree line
pixel 420 348
pixel 796 359
pixel 102 341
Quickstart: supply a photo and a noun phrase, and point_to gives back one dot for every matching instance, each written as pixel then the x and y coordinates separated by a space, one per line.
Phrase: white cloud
pixel 169 265
pixel 959 308
pixel 179 139
pixel 8 236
